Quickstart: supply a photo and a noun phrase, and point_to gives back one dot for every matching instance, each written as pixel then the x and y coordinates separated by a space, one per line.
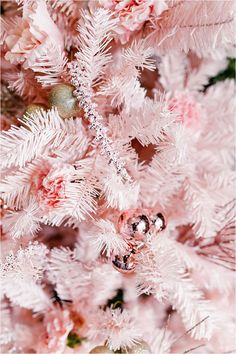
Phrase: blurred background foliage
pixel 228 73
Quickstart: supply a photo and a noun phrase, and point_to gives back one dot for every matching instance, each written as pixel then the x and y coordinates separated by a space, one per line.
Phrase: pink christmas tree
pixel 118 183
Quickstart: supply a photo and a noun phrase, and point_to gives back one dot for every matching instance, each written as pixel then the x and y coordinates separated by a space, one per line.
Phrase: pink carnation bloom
pixel 188 110
pixel 30 34
pixel 52 185
pixel 58 326
pixel 51 191
pixel 131 13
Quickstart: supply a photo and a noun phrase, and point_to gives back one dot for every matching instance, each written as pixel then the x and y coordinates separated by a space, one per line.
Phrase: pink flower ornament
pixel 189 111
pixel 58 326
pixel 52 186
pixel 31 34
pixel 131 14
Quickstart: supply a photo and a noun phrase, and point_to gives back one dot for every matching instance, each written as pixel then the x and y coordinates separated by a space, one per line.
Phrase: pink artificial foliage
pixel 117 223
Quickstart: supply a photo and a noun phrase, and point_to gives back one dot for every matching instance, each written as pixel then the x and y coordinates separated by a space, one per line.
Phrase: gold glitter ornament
pixel 31 109
pixel 61 96
pixel 101 349
pixel 34 107
pixel 141 348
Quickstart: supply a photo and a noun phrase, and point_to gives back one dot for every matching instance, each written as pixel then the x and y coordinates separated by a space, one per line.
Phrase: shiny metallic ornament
pixel 125 263
pixel 140 225
pixel 101 349
pixel 134 224
pixel 62 97
pixel 141 348
pixel 158 221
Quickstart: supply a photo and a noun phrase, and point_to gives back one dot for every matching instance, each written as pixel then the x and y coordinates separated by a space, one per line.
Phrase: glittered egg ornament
pixel 62 97
pixel 125 263
pixel 140 348
pixel 101 349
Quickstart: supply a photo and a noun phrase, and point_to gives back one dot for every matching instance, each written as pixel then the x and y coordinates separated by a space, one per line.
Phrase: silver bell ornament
pixel 101 349
pixel 62 97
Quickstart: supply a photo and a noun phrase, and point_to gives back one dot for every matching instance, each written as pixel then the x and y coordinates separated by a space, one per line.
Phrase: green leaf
pixel 74 340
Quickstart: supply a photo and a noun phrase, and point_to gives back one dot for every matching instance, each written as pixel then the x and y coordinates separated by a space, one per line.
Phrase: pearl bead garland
pixel 84 96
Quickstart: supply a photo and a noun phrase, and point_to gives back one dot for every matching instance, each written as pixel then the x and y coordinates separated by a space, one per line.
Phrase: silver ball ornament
pixel 62 97
pixel 101 349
